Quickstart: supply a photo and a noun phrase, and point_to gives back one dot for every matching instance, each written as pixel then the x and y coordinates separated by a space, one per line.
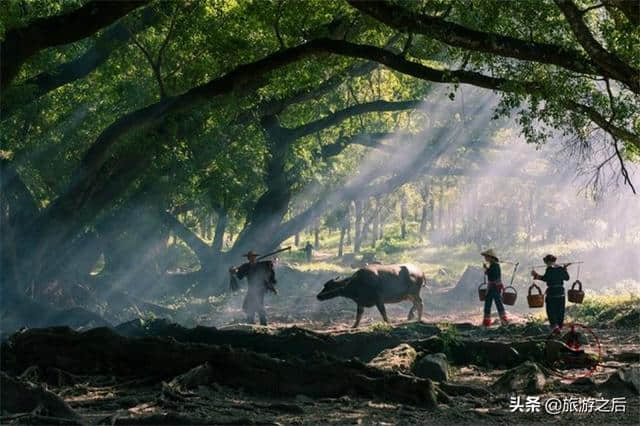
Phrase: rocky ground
pixel 309 367
pixel 411 373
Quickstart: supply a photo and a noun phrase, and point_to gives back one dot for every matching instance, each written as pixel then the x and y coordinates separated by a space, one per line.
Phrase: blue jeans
pixel 493 294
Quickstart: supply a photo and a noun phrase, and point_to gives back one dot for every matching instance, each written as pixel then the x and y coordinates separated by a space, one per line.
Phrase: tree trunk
pixel 452 220
pixel 271 207
pixel 423 222
pixel 221 225
pixel 357 226
pixel 441 208
pixel 432 215
pixel 403 217
pixel 348 223
pixel 376 223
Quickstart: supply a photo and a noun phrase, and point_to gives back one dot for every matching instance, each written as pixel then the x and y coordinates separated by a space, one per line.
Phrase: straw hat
pixel 251 254
pixel 490 253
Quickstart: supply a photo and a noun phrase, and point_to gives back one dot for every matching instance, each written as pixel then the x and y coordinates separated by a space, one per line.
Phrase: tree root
pixel 318 375
pixel 21 397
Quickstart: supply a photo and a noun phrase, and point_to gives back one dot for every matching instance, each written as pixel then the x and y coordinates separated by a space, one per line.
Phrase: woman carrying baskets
pixel 554 276
pixel 494 287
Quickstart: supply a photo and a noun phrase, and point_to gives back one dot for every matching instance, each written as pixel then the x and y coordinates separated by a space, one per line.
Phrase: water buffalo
pixel 377 285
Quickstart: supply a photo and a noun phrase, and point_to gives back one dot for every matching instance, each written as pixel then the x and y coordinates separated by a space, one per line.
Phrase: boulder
pixel 528 378
pixel 432 366
pixel 399 359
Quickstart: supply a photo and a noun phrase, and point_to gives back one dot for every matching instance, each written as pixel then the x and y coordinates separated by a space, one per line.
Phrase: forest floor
pixel 101 390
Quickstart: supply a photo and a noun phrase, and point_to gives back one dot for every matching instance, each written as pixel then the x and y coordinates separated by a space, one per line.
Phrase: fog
pixel 521 199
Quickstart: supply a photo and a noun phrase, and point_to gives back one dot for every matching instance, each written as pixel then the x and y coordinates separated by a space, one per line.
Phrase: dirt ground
pixel 106 399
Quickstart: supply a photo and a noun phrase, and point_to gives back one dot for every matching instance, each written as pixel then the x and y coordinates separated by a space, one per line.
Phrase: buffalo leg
pixel 382 310
pixel 359 313
pixel 263 316
pixel 412 310
pixel 417 303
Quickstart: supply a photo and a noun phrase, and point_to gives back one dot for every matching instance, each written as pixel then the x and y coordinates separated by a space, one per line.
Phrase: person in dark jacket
pixel 261 278
pixel 494 287
pixel 308 250
pixel 554 276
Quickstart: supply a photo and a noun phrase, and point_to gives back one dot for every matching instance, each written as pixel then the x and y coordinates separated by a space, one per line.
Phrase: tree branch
pixel 202 249
pixel 154 66
pixel 276 106
pixel 604 123
pixel 251 76
pixel 612 65
pixel 371 140
pixel 629 8
pixel 22 43
pixel 68 72
pixel 457 35
pixel 339 116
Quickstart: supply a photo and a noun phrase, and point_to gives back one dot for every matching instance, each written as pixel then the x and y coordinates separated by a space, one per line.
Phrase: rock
pixel 528 378
pixel 623 381
pixel 432 366
pixel 399 359
pixel 432 344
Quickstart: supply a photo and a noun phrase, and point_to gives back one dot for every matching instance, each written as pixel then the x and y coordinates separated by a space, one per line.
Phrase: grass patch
pixel 318 266
pixel 607 311
pixel 450 338
pixel 381 327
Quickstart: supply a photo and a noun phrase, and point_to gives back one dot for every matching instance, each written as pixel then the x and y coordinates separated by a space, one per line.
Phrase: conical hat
pixel 250 254
pixel 490 253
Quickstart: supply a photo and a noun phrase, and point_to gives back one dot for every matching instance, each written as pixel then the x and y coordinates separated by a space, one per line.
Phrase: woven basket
pixel 535 300
pixel 509 298
pixel 482 292
pixel 576 296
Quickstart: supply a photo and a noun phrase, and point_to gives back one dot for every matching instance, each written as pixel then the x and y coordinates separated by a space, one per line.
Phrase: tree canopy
pixel 251 113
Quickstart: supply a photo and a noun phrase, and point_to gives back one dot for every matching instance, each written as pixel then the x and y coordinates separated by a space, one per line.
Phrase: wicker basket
pixel 576 296
pixel 509 298
pixel 535 300
pixel 482 292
